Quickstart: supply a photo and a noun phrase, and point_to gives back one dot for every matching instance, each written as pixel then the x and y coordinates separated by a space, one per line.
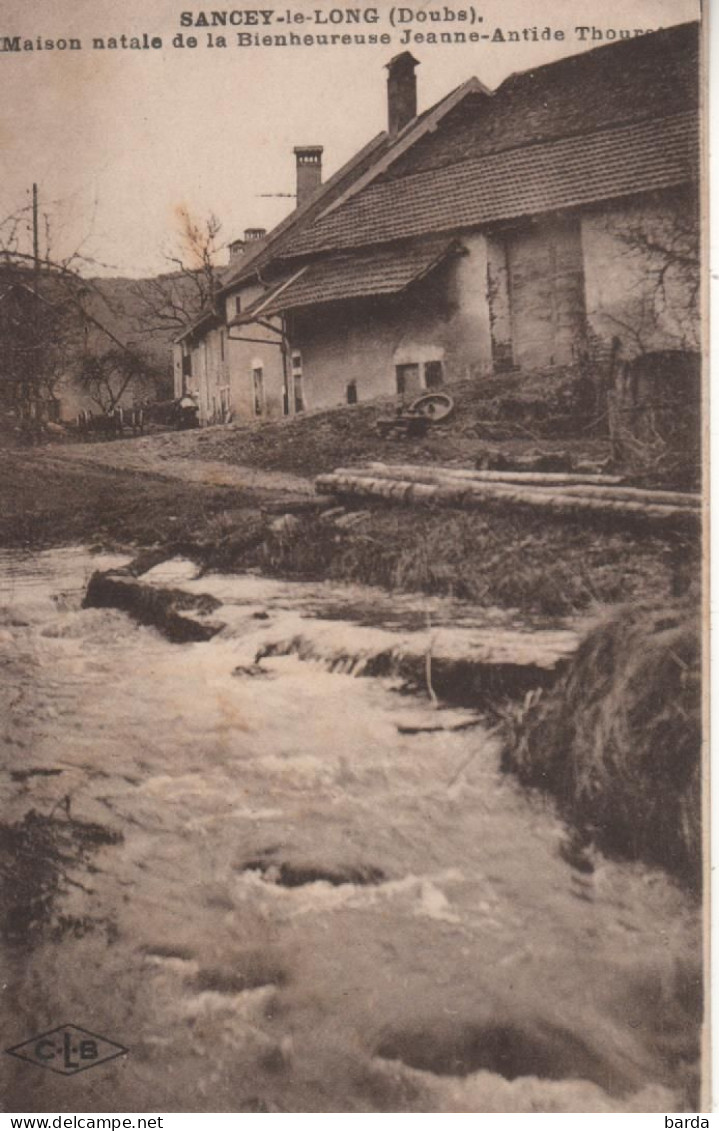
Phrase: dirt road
pixel 123 494
pixel 161 456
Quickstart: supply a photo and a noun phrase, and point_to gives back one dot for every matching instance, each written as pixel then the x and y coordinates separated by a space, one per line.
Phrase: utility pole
pixel 34 408
pixel 35 235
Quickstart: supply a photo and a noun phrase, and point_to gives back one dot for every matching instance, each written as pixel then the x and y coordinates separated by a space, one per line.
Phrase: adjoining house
pixel 551 220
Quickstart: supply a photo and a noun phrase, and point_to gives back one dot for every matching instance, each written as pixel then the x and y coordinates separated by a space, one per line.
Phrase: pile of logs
pixel 561 493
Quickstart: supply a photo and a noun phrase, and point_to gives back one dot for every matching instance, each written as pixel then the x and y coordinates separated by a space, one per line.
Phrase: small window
pixel 433 374
pixel 258 381
pixel 238 304
pixel 225 413
pixel 407 378
pixel 222 345
pixel 187 365
pixel 352 393
pixel 299 394
pixel 297 381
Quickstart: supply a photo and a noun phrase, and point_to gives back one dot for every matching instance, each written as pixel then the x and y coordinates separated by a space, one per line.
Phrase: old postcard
pixel 351 370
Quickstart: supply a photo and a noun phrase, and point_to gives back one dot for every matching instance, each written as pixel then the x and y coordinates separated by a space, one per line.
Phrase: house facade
pixel 551 220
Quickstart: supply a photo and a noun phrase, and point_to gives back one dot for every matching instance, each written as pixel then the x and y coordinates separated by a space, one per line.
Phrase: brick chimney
pixel 237 250
pixel 309 171
pixel 401 92
pixel 239 247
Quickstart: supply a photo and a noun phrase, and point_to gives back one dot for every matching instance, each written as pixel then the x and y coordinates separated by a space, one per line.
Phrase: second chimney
pixel 237 250
pixel 401 92
pixel 309 171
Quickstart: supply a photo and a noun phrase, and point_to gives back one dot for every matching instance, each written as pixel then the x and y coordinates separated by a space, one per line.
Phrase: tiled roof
pixel 387 272
pixel 651 76
pixel 374 157
pixel 264 250
pixel 570 172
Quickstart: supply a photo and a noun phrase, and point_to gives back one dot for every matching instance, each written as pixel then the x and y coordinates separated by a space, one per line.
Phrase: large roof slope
pixel 567 173
pixel 651 76
pixel 614 121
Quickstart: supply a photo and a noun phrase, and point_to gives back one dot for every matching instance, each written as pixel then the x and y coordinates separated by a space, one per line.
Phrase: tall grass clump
pixel 617 740
pixel 525 563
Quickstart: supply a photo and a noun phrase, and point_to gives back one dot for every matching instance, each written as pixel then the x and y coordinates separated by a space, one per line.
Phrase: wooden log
pixel 541 478
pixel 477 496
pixel 419 474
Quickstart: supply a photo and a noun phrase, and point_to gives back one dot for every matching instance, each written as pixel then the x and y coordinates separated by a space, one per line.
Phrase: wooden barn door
pixel 546 292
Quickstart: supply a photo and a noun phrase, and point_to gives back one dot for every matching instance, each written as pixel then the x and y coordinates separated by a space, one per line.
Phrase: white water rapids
pixel 310 910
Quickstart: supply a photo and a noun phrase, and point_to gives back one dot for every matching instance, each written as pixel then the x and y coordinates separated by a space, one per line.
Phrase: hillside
pixel 117 304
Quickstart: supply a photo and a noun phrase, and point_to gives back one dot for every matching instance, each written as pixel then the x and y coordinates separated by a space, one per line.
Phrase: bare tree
pixel 171 302
pixel 59 325
pixel 36 338
pixel 659 260
pixel 653 318
pixel 109 376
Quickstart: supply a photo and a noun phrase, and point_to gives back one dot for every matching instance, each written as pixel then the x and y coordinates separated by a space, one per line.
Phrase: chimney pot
pixel 308 159
pixel 401 92
pixel 252 235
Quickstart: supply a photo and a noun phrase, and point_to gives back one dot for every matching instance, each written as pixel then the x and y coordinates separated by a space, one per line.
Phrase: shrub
pixel 618 739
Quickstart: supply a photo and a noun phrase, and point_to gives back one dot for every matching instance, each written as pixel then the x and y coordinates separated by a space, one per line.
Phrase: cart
pixel 415 421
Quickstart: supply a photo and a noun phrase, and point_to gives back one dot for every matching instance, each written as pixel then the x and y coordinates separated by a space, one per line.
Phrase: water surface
pixel 308 908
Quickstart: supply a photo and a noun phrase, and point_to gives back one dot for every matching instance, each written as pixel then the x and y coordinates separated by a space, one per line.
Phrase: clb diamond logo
pixel 67 1050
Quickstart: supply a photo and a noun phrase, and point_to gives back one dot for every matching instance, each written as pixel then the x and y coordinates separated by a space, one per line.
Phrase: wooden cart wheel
pixel 435 406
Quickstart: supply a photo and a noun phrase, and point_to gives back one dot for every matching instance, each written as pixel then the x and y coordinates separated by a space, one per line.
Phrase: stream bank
pixel 253 519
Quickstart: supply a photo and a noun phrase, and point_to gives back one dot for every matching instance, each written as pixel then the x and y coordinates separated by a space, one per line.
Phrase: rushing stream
pixel 283 888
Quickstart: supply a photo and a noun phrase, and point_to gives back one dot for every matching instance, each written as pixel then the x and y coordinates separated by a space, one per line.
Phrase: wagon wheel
pixel 435 406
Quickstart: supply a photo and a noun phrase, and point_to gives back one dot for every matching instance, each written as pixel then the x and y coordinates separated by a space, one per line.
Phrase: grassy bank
pixel 618 740
pixel 510 559
pixel 515 561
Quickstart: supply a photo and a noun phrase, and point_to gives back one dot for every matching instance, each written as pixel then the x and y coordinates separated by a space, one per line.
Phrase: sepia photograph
pixel 352 588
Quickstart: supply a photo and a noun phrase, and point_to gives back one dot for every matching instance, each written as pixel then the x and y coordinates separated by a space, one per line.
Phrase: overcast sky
pixel 117 140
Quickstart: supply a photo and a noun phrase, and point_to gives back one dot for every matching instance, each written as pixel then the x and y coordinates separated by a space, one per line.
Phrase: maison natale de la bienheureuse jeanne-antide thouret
pixel 495 231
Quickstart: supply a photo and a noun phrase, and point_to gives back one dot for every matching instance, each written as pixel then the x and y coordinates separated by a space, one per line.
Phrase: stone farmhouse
pixel 551 220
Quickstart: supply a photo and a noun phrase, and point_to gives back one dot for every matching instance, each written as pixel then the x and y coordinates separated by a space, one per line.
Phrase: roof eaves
pixel 443 249
pixel 205 319
pixel 255 311
pixel 335 239
pixel 452 247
